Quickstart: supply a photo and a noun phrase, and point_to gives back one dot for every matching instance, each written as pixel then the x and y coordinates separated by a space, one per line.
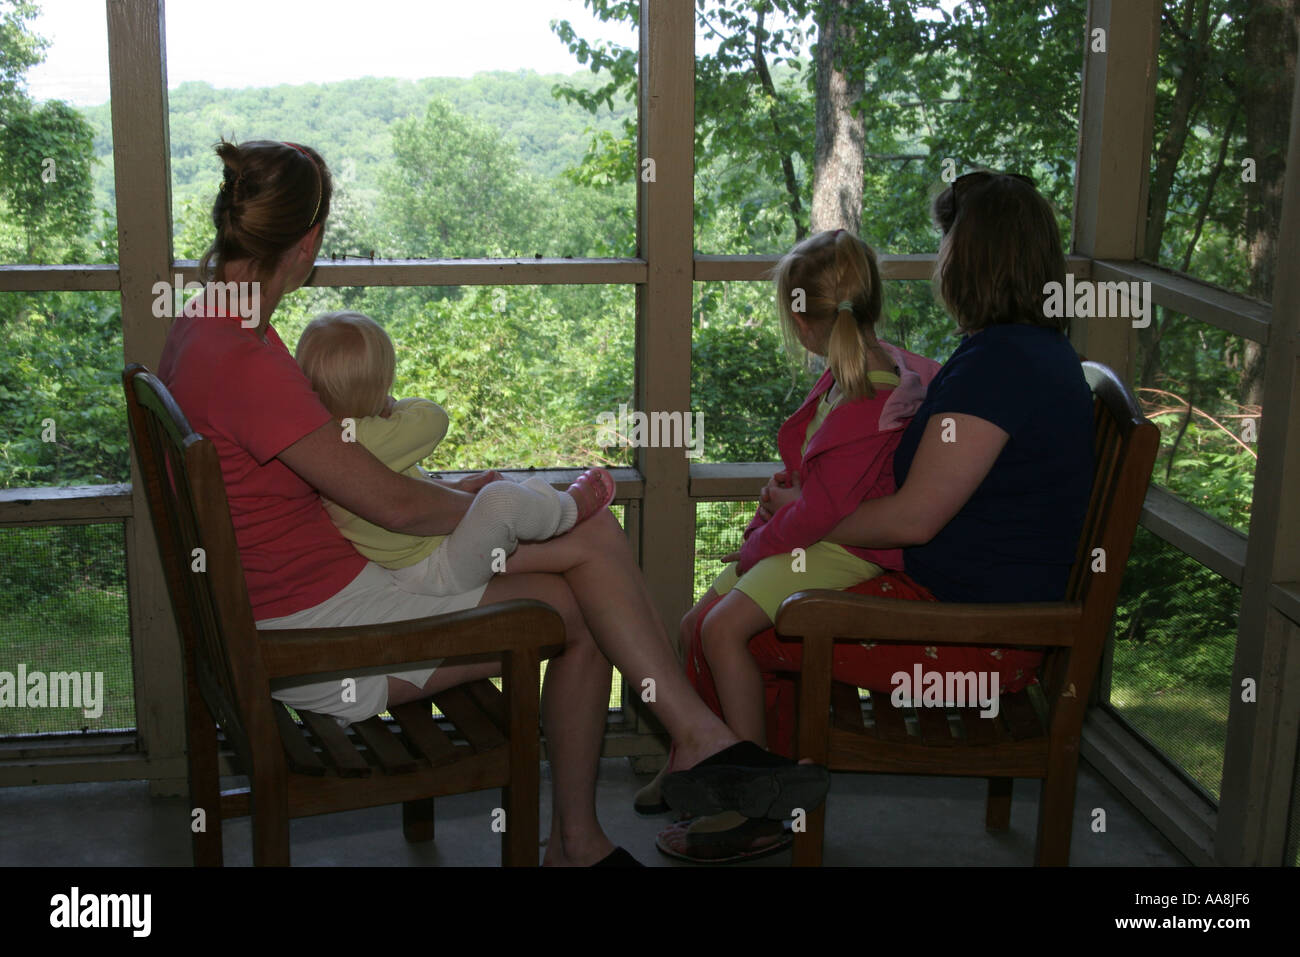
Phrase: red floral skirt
pixel 861 664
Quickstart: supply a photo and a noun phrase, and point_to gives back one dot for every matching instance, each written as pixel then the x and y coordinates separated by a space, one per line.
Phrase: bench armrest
pixel 517 625
pixel 828 614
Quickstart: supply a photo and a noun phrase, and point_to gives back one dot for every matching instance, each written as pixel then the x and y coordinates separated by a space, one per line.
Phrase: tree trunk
pixel 1270 35
pixel 837 157
pixel 1187 93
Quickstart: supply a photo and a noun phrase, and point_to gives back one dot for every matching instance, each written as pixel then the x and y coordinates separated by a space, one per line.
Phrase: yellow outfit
pixel 823 565
pixel 408 436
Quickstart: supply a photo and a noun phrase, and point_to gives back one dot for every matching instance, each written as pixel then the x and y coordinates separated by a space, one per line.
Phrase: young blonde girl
pixel 840 444
pixel 350 363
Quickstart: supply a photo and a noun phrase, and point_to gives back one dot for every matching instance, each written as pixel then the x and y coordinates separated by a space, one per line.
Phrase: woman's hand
pixel 351 476
pixel 783 489
pixel 472 483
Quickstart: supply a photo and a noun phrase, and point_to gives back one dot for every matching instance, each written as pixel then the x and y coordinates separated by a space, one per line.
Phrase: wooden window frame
pixel 1250 823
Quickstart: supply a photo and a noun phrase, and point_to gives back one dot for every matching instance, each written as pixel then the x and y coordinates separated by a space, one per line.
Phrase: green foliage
pixel 46 158
pixel 352 123
pixel 20 50
pixel 46 155
pixel 60 397
pixel 741 378
pixel 521 164
pixel 457 188
pixel 38 563
pixel 1176 619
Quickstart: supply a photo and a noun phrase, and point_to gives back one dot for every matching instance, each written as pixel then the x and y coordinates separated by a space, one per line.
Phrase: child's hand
pixel 387 410
pixel 783 489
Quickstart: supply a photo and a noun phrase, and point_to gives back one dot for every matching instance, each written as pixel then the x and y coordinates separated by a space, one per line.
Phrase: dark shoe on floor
pixel 748 779
pixel 727 838
pixel 618 858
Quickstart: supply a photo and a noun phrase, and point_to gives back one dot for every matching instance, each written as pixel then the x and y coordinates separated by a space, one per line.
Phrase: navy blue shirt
pixel 1016 538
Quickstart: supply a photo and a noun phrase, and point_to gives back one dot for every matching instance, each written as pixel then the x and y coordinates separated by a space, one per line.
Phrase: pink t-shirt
pixel 252 401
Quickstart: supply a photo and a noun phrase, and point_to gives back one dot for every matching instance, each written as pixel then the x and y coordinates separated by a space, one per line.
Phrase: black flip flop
pixel 618 858
pixel 748 779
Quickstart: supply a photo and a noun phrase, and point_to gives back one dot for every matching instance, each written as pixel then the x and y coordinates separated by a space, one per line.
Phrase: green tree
pixel 46 156
pixel 20 50
pixel 456 188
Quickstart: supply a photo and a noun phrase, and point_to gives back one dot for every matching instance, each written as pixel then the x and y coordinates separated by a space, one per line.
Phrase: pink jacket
pixel 850 458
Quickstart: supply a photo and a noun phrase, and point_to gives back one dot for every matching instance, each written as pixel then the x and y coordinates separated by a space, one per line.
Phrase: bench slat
pixel 301 756
pixel 348 763
pixel 385 746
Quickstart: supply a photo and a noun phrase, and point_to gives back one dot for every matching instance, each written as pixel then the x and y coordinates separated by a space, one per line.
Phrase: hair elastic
pixel 846 304
pixel 311 222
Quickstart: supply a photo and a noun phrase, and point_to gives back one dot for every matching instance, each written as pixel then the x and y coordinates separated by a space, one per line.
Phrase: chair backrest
pixel 191 518
pixel 1124 444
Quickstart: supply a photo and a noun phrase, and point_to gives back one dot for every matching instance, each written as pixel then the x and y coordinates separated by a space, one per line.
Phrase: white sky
pixel 314 41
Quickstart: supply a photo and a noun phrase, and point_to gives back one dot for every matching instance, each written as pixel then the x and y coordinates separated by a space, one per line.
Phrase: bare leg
pixel 446 676
pixel 652 793
pixel 725 639
pixel 598 565
pixel 574 701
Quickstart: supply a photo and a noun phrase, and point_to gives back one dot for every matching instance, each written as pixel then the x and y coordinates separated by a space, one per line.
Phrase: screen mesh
pixel 65 635
pixel 719 527
pixel 1175 636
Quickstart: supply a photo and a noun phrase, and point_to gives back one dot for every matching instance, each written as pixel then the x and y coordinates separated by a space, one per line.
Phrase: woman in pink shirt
pixel 281 450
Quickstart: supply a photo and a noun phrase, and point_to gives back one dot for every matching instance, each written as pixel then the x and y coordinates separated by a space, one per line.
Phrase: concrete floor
pixel 871 819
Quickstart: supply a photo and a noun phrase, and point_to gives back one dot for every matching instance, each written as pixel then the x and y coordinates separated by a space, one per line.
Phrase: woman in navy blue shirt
pixel 994 471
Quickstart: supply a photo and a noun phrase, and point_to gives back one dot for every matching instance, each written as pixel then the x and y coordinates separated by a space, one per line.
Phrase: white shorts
pixel 373 597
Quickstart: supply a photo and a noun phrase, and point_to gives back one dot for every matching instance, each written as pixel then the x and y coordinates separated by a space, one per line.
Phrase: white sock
pixel 502 513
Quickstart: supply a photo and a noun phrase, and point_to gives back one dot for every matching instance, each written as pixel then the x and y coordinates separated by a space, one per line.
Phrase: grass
pixel 82 629
pixel 1189 724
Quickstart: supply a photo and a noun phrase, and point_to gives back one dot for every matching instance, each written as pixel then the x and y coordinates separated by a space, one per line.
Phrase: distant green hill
pixel 349 121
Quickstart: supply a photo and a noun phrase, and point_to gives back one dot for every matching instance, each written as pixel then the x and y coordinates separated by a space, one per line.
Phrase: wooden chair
pixel 1036 734
pixel 316 767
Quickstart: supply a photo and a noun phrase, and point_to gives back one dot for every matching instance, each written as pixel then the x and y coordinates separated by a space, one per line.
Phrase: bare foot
pixel 592 491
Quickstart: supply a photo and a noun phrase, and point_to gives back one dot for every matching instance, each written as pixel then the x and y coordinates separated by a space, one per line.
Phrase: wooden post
pixel 665 230
pixel 1115 119
pixel 1116 114
pixel 1259 764
pixel 137 78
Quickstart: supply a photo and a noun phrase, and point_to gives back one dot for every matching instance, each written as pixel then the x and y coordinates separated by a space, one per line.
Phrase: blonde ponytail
pixel 846 354
pixel 857 285
pixel 835 275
